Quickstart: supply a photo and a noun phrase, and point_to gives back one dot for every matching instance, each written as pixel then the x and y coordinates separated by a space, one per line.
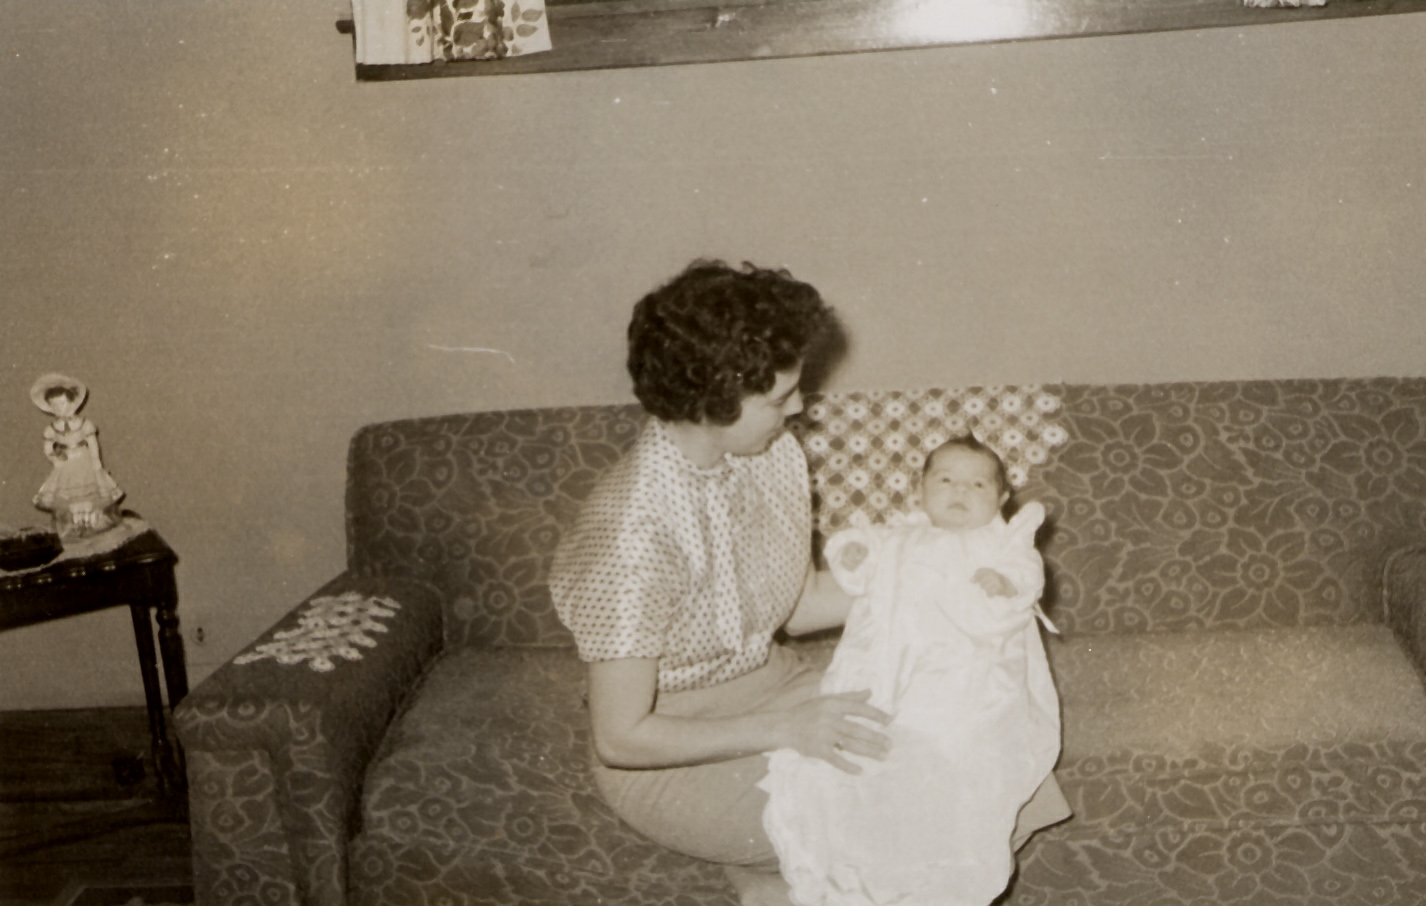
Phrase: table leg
pixel 165 765
pixel 170 642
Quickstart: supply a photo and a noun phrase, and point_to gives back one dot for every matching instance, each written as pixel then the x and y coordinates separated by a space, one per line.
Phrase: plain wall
pixel 248 255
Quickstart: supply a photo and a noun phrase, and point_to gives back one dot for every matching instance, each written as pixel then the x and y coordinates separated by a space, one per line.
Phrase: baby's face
pixel 961 489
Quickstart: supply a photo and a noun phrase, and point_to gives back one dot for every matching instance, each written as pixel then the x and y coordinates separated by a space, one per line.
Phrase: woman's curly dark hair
pixel 715 334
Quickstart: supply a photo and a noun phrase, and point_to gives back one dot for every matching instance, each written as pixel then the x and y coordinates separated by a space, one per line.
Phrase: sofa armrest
pixel 278 738
pixel 1403 589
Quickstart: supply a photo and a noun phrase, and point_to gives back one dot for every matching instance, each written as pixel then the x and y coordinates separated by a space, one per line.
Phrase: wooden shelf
pixel 629 33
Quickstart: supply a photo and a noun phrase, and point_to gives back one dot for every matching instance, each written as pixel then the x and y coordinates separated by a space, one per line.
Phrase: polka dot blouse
pixel 695 567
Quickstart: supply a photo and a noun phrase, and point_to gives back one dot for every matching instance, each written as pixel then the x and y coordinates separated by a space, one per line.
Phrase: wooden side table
pixel 139 574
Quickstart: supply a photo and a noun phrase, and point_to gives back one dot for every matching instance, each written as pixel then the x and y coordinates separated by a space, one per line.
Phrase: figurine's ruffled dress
pixel 79 492
pixel 975 733
pixel 78 475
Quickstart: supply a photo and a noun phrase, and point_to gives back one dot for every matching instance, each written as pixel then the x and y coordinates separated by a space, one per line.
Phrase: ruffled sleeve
pixel 1021 562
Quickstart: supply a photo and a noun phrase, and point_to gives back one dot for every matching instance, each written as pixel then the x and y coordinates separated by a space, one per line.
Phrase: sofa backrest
pixel 1171 506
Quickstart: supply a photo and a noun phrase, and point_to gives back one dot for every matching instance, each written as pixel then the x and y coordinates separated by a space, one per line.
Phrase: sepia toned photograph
pixel 685 453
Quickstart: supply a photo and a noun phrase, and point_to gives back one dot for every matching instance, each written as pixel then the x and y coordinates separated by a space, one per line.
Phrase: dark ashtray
pixel 28 548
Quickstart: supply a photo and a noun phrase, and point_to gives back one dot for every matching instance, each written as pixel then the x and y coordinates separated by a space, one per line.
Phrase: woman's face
pixel 764 416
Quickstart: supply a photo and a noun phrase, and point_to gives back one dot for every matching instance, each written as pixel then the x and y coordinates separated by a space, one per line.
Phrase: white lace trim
pixel 328 627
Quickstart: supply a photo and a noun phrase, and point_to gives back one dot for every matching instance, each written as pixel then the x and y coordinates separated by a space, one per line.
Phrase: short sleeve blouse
pixel 695 567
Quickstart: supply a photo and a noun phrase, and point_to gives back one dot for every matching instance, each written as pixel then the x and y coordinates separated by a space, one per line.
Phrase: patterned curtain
pixel 428 31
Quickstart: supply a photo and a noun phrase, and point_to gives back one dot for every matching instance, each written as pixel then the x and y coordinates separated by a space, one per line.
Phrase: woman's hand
pixel 830 725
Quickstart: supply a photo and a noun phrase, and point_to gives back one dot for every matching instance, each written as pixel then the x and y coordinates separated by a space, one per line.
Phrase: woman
pixel 689 555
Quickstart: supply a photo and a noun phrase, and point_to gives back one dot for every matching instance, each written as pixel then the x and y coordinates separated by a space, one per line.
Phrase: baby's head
pixel 964 484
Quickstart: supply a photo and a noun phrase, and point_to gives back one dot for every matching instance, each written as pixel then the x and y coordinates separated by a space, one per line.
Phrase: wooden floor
pixel 81 819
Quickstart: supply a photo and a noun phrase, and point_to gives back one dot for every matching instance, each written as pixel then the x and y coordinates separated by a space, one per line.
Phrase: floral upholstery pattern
pixel 1242 766
pixel 475 505
pixel 1172 506
pixel 1234 564
pixel 1189 749
pixel 242 854
pixel 503 789
pixel 1236 504
pixel 275 755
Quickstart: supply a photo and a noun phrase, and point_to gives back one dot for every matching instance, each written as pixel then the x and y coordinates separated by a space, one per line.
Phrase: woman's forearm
pixel 823 604
pixel 629 734
pixel 664 741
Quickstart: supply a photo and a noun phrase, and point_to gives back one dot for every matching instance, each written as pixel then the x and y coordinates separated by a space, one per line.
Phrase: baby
pixel 943 632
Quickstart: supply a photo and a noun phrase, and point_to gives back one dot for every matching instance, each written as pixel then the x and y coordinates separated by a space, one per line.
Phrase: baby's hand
pixel 993 583
pixel 852 555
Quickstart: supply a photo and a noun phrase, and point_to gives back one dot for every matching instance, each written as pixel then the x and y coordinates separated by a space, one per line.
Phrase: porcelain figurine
pixel 79 494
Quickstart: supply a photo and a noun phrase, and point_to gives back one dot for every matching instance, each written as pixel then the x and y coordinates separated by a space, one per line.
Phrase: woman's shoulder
pixel 632 484
pixel 624 517
pixel 641 465
pixel 783 462
pixel 788 447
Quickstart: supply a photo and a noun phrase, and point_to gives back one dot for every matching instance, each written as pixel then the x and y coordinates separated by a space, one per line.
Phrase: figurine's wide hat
pixel 51 382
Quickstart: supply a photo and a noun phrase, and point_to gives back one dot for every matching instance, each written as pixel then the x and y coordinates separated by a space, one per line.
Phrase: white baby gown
pixel 975 729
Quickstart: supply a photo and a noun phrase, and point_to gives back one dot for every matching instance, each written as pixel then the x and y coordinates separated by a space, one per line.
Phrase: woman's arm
pixel 628 733
pixel 823 604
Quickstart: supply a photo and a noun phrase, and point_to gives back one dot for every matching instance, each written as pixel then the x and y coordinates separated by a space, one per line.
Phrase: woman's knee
pixel 711 812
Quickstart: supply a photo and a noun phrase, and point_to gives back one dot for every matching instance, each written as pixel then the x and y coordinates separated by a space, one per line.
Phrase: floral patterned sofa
pixel 1237 568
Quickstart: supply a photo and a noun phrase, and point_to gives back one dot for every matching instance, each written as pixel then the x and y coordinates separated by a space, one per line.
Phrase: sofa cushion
pixel 1241 762
pixel 1246 766
pixel 482 789
pixel 1182 694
